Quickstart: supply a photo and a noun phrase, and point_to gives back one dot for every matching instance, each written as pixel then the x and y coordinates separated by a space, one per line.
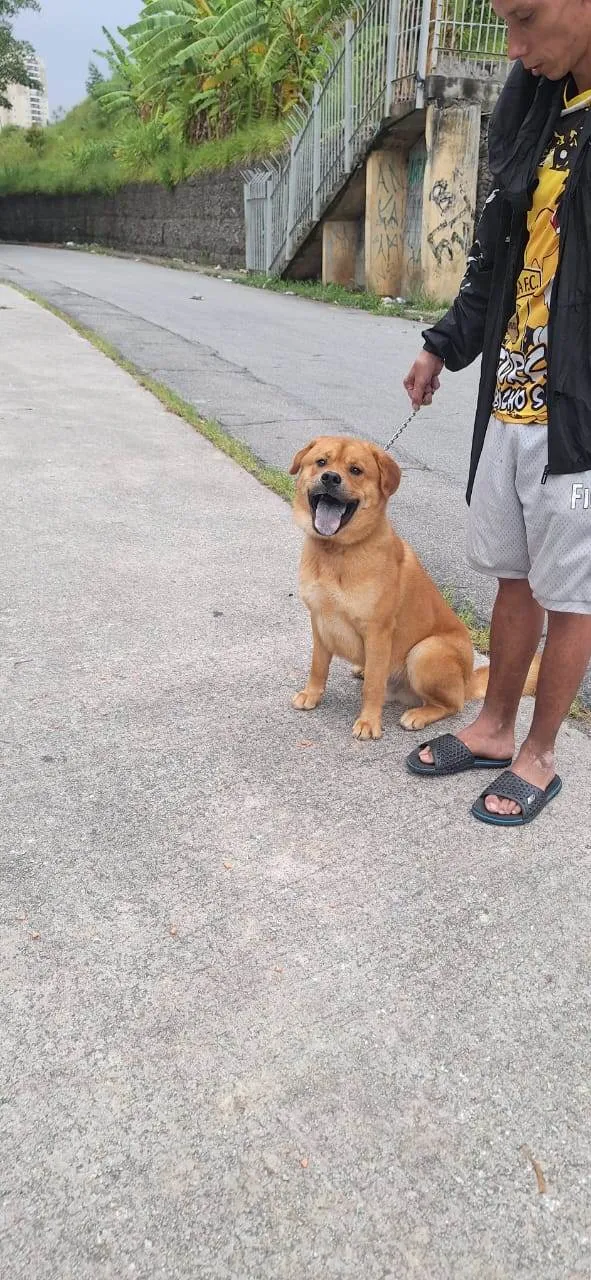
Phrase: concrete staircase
pixel 379 187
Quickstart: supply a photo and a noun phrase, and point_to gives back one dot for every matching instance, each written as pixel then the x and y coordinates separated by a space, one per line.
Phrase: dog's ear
pixel 390 472
pixel 299 458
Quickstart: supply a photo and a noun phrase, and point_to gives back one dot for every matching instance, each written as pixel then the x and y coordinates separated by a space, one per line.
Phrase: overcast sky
pixel 64 35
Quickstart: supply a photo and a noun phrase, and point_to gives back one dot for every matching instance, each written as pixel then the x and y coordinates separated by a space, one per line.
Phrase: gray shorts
pixel 521 528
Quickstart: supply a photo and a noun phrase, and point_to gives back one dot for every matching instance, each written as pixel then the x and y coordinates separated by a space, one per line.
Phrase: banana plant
pixel 211 66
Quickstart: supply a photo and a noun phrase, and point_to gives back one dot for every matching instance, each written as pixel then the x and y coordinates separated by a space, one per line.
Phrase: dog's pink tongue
pixel 328 516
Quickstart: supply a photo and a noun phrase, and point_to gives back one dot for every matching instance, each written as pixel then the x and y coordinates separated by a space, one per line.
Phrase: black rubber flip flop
pixel 509 786
pixel 450 756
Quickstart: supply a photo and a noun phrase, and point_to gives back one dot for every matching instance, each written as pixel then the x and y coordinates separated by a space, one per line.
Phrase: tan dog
pixel 370 599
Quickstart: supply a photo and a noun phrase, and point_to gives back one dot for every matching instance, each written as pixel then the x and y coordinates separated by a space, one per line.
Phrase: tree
pixel 94 78
pixel 13 52
pixel 206 67
pixel 117 94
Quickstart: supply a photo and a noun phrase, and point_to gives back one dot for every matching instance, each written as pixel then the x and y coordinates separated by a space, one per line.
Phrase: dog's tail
pixel 479 680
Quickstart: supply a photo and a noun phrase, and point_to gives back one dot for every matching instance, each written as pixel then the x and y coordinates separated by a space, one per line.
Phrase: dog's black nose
pixel 330 478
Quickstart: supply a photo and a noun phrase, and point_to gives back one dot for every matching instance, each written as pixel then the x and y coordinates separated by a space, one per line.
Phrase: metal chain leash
pixel 405 424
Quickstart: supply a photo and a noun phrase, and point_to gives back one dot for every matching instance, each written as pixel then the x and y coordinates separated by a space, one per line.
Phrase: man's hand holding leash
pixel 422 381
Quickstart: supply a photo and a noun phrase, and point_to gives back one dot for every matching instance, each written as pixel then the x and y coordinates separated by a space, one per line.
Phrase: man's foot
pixel 535 767
pixel 483 739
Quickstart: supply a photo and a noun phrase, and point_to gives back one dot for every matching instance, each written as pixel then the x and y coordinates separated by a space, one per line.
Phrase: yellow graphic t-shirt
pixel 522 371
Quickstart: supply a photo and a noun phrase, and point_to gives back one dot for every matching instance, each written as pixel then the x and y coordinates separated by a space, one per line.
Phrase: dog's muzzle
pixel 329 512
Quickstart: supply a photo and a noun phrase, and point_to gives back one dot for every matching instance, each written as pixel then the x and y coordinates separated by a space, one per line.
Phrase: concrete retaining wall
pixel 201 220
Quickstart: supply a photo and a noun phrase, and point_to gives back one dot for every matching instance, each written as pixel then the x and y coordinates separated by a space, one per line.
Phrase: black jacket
pixel 521 128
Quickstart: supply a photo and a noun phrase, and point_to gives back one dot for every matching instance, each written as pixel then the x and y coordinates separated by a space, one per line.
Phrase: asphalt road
pixel 324 364
pixel 270 1007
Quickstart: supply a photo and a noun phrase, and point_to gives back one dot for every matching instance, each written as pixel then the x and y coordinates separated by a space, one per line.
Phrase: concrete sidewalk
pixel 271 1008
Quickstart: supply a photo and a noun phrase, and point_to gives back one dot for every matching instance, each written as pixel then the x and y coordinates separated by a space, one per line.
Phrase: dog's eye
pixel 321 462
pixel 356 471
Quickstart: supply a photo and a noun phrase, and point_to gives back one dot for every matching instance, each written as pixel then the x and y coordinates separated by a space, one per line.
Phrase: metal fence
pixel 381 60
pixel 467 35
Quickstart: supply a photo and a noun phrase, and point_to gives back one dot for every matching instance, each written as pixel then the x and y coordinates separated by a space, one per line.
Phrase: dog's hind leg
pixel 437 671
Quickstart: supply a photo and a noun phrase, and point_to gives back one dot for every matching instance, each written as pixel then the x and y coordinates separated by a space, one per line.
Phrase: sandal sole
pixel 431 771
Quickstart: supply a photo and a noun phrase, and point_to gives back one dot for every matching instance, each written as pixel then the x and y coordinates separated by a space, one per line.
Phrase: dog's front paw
pixel 367 727
pixel 306 700
pixel 416 718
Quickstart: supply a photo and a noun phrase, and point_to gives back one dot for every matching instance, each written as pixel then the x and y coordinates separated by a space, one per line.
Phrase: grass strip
pixel 417 307
pixel 467 613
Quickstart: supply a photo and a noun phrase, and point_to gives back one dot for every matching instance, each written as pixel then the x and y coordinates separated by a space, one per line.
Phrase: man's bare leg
pixel 566 655
pixel 516 627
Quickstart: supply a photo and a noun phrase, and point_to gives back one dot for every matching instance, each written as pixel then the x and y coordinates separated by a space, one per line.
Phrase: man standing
pixel 525 303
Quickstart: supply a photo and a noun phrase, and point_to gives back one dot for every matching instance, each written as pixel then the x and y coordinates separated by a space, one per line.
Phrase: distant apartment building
pixel 28 106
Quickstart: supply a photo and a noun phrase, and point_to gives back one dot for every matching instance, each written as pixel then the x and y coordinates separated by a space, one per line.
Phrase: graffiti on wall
pixel 453 234
pixel 417 160
pixel 387 229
